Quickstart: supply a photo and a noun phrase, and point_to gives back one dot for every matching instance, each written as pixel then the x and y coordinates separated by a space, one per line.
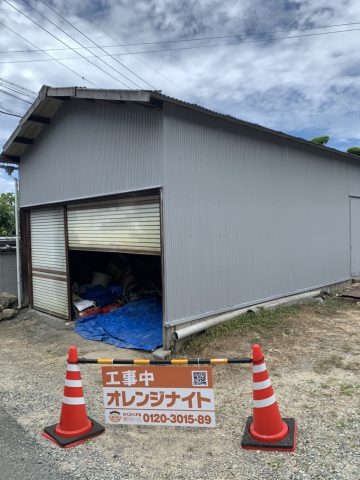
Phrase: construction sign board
pixel 159 395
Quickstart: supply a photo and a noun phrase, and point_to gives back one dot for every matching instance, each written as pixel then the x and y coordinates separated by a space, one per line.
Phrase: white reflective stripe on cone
pixel 266 402
pixel 71 367
pixel 73 383
pixel 259 385
pixel 259 368
pixel 74 400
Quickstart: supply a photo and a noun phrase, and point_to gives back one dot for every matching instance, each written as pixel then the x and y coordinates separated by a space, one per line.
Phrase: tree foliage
pixel 7 215
pixel 354 151
pixel 321 140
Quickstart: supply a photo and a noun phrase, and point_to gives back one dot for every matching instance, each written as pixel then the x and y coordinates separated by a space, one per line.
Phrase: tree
pixel 321 140
pixel 354 151
pixel 7 215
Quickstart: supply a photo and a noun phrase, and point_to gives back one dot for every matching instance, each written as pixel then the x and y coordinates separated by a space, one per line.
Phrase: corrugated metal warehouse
pixel 229 214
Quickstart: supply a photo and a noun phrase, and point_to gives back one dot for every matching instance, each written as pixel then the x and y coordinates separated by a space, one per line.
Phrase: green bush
pixel 7 215
pixel 354 151
pixel 321 140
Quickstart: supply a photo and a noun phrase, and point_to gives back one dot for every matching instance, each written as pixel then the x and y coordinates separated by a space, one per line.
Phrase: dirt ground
pixel 313 356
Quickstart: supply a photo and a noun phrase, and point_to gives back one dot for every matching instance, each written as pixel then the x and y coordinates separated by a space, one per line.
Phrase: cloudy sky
pixel 307 85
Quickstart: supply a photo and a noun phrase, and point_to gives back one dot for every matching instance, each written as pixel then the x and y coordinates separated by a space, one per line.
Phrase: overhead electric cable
pixel 20 87
pixel 193 39
pixel 12 102
pixel 86 48
pixel 140 59
pixel 8 110
pixel 100 47
pixel 51 57
pixel 11 114
pixel 272 40
pixel 17 91
pixel 64 43
pixel 15 96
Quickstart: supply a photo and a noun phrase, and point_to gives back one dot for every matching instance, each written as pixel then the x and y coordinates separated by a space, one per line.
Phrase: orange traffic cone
pixel 266 430
pixel 75 426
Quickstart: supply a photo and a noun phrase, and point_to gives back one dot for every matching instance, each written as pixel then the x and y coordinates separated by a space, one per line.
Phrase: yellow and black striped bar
pixel 174 361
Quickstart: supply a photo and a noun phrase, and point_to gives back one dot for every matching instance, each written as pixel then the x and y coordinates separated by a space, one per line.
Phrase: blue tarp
pixel 135 325
pixel 102 296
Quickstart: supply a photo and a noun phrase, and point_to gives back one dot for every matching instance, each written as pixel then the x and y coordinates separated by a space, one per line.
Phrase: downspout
pixel 17 233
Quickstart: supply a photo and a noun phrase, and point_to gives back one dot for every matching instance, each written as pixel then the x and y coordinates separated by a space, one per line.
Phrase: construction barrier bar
pixel 174 361
pixel 264 430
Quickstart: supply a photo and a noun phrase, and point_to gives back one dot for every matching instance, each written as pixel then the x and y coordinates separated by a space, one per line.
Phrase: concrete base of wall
pixel 190 329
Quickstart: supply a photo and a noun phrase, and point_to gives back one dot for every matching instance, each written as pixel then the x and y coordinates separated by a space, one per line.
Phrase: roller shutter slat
pixel 48 252
pixel 121 227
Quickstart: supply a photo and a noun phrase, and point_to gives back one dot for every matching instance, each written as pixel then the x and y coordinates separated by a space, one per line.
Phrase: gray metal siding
pixel 246 219
pixel 93 149
pixel 8 272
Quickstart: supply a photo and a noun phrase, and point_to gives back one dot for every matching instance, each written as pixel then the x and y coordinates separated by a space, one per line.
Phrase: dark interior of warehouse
pixel 117 298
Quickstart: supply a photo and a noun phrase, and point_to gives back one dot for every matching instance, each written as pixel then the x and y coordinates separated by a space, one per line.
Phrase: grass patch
pixel 246 323
pixel 340 424
pixel 265 320
pixel 347 389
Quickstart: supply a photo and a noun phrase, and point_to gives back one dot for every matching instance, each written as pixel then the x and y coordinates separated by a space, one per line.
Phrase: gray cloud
pixel 296 85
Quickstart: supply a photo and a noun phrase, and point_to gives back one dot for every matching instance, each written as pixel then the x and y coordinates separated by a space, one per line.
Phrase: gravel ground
pixel 313 356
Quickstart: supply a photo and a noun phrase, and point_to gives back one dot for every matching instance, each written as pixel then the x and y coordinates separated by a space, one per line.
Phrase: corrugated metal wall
pixel 8 272
pixel 246 219
pixel 93 149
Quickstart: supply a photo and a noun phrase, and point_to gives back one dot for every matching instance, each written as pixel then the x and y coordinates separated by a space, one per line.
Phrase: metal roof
pixel 50 100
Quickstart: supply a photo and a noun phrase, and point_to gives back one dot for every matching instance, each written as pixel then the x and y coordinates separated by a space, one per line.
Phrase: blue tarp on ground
pixel 135 325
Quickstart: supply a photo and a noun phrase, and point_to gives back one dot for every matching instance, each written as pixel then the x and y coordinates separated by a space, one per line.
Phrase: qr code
pixel 200 379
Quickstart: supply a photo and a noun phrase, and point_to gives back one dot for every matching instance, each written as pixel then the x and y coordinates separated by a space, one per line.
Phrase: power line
pixel 84 47
pixel 7 109
pixel 72 38
pixel 11 114
pixel 195 47
pixel 50 56
pixel 4 85
pixel 99 46
pixel 59 40
pixel 194 39
pixel 15 96
pixel 12 102
pixel 18 86
pixel 140 59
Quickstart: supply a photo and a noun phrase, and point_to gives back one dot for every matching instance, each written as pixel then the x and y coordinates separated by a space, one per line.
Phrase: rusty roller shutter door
pixel 48 261
pixel 128 225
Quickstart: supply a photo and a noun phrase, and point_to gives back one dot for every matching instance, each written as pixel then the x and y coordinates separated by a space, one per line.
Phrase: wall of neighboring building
pixel 246 218
pixel 93 149
pixel 8 272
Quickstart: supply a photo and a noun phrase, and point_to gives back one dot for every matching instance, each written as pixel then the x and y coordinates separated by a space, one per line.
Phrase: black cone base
pixel 66 442
pixel 287 444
